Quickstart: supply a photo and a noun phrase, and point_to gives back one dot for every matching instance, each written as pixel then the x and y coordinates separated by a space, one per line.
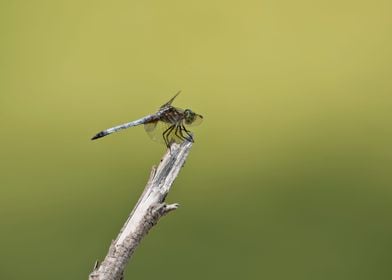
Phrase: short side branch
pixel 146 213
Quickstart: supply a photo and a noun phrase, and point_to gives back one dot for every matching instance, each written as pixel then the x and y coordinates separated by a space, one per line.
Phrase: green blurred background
pixel 290 175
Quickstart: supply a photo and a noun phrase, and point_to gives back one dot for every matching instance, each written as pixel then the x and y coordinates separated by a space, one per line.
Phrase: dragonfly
pixel 168 125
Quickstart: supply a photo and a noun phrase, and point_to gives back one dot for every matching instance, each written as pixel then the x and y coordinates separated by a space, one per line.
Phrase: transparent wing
pixel 198 120
pixel 168 103
pixel 158 130
pixel 153 130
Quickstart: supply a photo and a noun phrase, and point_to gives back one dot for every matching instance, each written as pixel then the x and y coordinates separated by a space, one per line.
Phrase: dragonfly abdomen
pixel 108 131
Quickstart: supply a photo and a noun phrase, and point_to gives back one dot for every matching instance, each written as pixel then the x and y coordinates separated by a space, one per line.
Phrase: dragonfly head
pixel 191 117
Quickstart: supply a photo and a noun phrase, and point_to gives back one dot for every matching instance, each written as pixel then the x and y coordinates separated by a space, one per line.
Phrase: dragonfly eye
pixel 189 116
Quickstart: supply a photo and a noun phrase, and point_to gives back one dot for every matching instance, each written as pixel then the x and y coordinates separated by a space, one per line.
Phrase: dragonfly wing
pixel 154 130
pixel 168 103
pixel 198 120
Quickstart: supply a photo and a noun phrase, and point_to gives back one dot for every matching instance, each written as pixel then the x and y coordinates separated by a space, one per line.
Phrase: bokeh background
pixel 290 175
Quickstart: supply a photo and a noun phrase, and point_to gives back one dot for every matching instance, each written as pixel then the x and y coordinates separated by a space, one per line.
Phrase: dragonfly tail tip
pixel 99 135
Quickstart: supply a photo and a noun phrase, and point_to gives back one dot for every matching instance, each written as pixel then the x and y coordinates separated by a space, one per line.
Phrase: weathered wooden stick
pixel 146 213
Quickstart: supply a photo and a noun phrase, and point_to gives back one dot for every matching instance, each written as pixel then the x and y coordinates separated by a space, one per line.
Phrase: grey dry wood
pixel 146 213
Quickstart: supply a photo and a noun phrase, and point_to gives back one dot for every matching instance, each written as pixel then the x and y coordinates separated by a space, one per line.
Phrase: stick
pixel 146 213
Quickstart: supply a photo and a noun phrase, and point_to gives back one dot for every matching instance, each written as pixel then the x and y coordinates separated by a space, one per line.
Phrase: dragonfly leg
pixel 178 133
pixel 188 133
pixel 187 138
pixel 166 134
